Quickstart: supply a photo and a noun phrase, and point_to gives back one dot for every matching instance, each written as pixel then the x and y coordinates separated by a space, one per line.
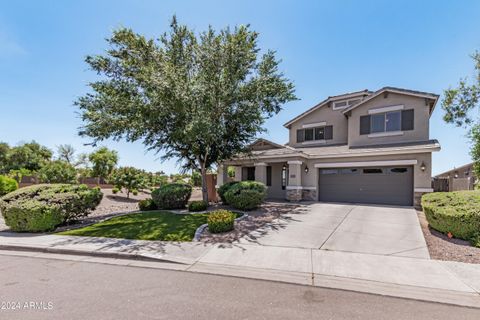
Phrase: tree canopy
pixel 103 162
pixel 201 98
pixel 461 105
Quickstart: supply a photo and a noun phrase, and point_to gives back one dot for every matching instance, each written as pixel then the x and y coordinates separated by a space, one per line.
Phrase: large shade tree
pixel 461 105
pixel 200 98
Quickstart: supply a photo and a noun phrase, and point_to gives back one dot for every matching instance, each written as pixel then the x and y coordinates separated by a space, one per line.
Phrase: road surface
pixel 43 288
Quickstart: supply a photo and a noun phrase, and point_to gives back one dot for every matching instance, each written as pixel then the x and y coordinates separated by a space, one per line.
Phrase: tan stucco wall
pixel 334 118
pixel 275 190
pixel 421 179
pixel 421 120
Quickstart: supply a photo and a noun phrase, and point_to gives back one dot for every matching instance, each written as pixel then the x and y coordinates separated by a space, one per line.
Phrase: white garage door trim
pixel 366 164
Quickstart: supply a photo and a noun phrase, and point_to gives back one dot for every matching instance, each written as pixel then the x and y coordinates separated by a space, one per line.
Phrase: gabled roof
pixel 261 142
pixel 328 100
pixel 421 94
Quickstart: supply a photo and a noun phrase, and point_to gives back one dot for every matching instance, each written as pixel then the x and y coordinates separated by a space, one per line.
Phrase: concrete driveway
pixel 372 229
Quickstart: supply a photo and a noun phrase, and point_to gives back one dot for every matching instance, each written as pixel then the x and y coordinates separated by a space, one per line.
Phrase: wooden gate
pixel 211 190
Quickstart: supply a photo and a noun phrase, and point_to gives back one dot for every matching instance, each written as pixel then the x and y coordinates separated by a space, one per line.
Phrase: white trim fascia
pixel 366 164
pixel 294 162
pixel 260 164
pixel 386 134
pixel 300 188
pixel 377 153
pixel 316 124
pixel 314 142
pixel 386 109
pixel 294 187
pixel 422 190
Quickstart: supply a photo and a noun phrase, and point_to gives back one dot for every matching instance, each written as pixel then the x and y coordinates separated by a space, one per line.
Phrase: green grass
pixel 152 225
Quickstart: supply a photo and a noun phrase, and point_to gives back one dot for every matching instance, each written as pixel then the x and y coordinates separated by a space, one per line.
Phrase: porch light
pixel 284 167
pixel 456 174
pixel 423 167
pixel 306 169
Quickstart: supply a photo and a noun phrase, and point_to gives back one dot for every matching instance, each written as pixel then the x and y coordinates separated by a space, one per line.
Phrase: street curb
pixel 97 254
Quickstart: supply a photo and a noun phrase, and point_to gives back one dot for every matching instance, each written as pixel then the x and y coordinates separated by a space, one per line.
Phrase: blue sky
pixel 327 47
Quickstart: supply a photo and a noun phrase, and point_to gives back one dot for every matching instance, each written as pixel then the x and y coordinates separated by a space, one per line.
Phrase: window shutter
pixel 328 132
pixel 407 120
pixel 269 176
pixel 300 135
pixel 364 124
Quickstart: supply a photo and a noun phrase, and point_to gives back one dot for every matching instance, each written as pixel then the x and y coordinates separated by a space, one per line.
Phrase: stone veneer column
pixel 261 172
pixel 294 187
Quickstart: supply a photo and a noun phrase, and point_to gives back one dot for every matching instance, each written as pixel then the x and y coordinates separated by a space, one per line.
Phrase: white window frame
pixel 385 132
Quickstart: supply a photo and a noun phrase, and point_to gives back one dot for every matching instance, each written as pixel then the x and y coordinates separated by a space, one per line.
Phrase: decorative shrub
pixel 455 212
pixel 224 188
pixel 147 205
pixel 197 206
pixel 57 172
pixel 43 207
pixel 221 221
pixel 135 192
pixel 7 185
pixel 246 195
pixel 115 190
pixel 172 196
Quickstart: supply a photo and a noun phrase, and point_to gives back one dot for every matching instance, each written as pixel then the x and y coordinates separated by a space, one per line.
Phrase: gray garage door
pixel 380 185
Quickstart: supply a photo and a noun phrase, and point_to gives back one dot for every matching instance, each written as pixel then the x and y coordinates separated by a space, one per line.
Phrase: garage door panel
pixel 393 186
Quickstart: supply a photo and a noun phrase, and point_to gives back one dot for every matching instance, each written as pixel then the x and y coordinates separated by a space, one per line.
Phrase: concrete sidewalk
pixel 431 280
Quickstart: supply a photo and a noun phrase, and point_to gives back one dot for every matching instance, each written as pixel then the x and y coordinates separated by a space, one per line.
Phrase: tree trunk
pixel 203 171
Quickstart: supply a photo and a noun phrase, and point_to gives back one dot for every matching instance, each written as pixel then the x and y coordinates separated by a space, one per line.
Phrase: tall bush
pixel 246 195
pixel 172 196
pixel 58 172
pixel 224 188
pixel 7 185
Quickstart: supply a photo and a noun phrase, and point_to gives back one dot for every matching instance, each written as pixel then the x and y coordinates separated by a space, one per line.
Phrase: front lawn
pixel 152 225
pixel 455 213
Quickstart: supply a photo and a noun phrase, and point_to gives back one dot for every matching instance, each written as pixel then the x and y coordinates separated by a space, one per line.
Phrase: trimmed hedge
pixel 221 221
pixel 246 195
pixel 147 205
pixel 224 188
pixel 195 206
pixel 7 185
pixel 43 207
pixel 172 196
pixel 455 212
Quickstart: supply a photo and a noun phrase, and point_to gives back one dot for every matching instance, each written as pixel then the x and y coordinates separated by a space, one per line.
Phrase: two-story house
pixel 359 147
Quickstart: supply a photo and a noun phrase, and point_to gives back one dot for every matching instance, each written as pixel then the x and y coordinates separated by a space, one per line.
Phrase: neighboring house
pixel 461 178
pixel 359 147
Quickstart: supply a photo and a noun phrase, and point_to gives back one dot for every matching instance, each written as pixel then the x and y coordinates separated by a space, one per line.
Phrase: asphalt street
pixel 43 288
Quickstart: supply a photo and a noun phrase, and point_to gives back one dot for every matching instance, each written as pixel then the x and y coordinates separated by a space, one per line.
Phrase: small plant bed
pixel 153 225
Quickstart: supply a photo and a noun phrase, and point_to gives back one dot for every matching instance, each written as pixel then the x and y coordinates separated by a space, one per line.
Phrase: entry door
pixel 376 185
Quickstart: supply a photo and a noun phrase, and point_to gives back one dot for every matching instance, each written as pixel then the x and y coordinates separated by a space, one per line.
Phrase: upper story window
pixel 392 121
pixel 315 134
pixel 338 105
pixel 386 122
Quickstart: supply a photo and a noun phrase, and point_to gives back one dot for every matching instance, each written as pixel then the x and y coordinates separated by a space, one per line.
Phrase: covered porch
pixel 282 178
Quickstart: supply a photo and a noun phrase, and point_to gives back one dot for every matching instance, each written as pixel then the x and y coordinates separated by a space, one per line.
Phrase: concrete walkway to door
pixel 372 229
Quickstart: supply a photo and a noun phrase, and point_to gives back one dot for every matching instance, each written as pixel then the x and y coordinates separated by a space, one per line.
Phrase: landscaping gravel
pixel 256 219
pixel 443 248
